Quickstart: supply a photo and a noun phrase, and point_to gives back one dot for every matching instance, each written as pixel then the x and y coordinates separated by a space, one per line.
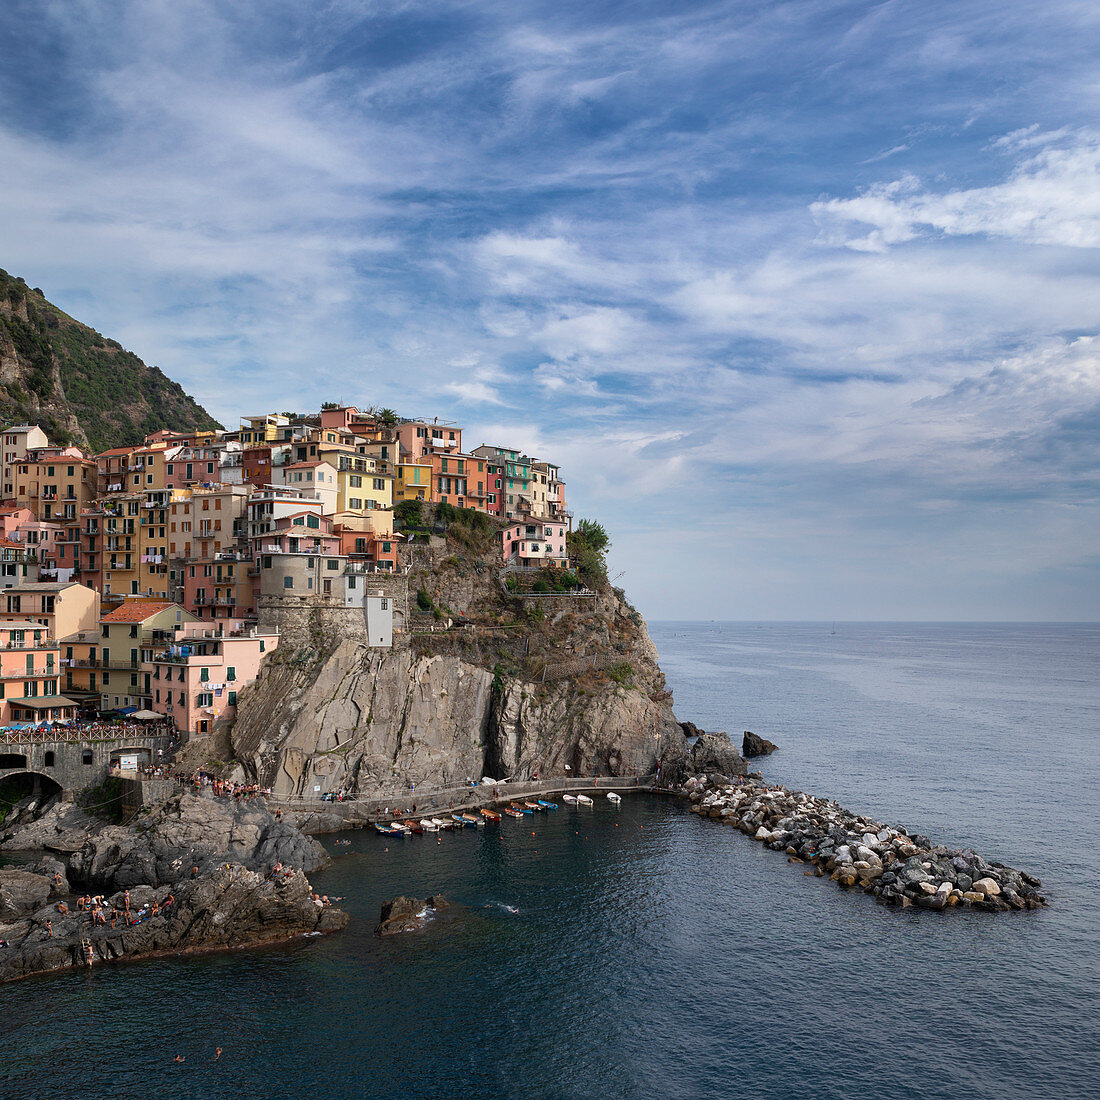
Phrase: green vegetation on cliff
pixel 78 385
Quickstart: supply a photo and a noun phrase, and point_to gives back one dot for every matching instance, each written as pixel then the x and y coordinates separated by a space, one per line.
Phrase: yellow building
pixel 258 430
pixel 203 522
pixel 413 481
pixel 361 485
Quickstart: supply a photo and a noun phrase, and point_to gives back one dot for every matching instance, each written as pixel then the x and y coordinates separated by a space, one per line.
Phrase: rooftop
pixel 137 611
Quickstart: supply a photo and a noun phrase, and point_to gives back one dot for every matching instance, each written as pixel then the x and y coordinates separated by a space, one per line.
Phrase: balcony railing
pixel 28 673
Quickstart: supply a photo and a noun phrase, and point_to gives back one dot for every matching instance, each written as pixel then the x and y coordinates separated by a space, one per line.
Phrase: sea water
pixel 638 951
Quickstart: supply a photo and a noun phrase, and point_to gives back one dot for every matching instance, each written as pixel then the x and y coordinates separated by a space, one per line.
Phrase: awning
pixel 42 702
pixel 146 715
pixel 127 710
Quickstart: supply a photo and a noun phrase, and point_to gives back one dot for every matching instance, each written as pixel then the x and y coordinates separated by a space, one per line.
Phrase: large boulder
pixel 21 892
pixel 192 830
pixel 61 827
pixel 752 745
pixel 714 752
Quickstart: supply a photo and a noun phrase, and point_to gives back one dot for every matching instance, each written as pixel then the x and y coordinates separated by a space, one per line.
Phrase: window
pixel 355 481
pixel 86 756
pixel 204 674
pixel 231 673
pixel 232 698
pixel 204 699
pixel 49 759
pixel 379 483
pixel 333 563
pixel 288 582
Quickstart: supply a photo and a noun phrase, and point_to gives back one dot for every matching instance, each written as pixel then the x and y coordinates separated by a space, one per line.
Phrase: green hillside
pixel 80 386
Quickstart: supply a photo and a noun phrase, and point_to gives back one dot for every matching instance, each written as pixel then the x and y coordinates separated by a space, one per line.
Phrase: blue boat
pixel 385 830
pixel 522 809
pixel 547 805
pixel 458 819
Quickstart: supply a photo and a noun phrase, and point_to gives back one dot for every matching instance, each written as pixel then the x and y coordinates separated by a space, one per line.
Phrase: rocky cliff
pixel 197 873
pixel 484 681
pixel 78 385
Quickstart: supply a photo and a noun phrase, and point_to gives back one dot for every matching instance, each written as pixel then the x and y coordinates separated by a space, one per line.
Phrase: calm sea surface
pixel 656 955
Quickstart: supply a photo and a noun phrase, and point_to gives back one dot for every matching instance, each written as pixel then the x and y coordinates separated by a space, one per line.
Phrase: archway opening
pixel 20 786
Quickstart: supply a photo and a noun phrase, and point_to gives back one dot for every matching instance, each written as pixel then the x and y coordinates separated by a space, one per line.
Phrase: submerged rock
pixel 405 914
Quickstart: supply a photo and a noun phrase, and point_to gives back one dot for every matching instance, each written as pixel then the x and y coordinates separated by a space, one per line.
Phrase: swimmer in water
pixel 218 1053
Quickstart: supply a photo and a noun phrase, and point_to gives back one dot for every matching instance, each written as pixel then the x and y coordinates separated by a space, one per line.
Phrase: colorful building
pixel 534 544
pixel 196 677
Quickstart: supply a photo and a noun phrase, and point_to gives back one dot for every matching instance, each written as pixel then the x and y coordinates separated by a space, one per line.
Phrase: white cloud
pixel 1052 197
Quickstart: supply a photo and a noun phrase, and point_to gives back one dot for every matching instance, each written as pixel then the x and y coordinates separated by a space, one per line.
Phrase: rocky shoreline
pixel 197 873
pixel 855 851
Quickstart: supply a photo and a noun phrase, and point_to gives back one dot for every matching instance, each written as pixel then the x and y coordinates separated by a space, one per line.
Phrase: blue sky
pixel 804 297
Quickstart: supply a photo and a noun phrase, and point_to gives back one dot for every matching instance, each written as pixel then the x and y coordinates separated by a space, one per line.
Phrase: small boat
pixel 399 827
pixel 458 819
pixel 439 823
pixel 535 807
pixel 570 798
pixel 512 812
pixel 490 815
pixel 428 825
pixel 522 809
pixel 584 800
pixel 472 819
pixel 613 797
pixel 385 830
pixel 547 805
pixel 414 827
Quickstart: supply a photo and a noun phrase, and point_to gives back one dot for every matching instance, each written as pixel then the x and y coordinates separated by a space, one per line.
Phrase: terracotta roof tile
pixel 136 611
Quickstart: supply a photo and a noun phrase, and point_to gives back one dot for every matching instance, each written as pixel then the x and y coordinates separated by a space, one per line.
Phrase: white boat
pixel 439 823
pixel 584 800
pixel 613 797
pixel 569 798
pixel 428 825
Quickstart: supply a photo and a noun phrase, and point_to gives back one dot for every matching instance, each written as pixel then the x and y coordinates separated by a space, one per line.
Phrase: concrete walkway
pixel 351 814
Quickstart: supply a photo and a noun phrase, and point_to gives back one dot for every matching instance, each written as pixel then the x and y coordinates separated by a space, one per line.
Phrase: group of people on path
pixel 223 788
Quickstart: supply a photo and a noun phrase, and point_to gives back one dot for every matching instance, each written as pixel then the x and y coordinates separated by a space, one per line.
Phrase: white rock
pixel 987 887
pixel 763 834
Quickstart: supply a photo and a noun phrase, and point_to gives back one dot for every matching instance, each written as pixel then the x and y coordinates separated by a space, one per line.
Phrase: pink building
pixel 30 664
pixel 195 681
pixel 535 543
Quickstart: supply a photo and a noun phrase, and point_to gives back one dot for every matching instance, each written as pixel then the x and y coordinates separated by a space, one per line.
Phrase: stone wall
pixel 319 621
pixel 68 769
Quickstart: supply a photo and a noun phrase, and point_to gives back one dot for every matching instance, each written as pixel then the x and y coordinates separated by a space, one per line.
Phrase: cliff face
pixel 504 685
pixel 78 385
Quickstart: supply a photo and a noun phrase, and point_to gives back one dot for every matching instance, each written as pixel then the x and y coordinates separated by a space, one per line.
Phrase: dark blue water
pixel 655 954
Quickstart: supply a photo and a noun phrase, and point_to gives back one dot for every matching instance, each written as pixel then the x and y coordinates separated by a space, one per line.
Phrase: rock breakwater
pixel 855 851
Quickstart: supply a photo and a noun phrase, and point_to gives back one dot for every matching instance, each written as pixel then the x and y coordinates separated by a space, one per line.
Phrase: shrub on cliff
pixel 587 550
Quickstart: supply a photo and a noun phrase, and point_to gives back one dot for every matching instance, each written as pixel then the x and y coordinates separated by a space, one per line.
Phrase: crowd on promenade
pixel 92 730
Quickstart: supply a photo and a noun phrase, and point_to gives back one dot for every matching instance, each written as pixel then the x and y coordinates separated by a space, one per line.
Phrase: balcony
pixel 28 673
pixel 46 642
